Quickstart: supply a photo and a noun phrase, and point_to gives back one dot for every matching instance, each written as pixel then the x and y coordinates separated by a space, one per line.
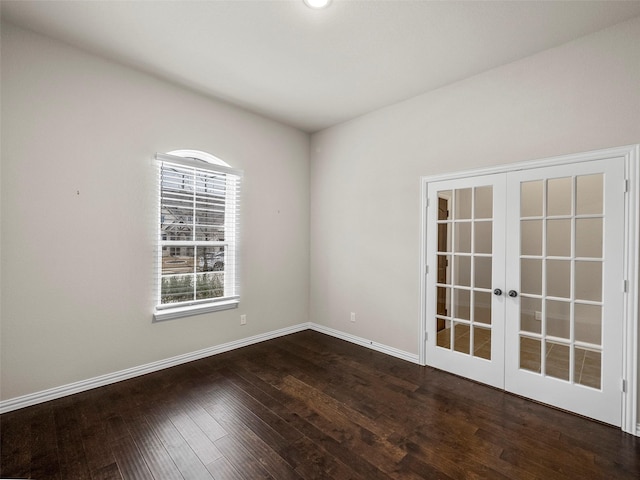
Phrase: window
pixel 197 235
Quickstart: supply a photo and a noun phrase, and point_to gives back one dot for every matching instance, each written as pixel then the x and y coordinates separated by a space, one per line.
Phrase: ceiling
pixel 315 68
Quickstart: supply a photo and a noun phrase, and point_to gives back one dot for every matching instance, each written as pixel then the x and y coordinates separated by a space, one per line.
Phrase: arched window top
pixel 198 159
pixel 199 155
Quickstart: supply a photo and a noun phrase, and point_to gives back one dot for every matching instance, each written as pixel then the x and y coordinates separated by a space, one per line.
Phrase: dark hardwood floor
pixel 307 406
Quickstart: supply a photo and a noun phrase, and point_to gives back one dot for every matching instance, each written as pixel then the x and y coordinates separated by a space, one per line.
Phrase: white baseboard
pixel 102 380
pixel 394 352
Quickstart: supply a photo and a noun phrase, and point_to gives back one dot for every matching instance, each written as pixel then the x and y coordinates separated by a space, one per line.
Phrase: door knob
pixel 513 293
pixel 497 292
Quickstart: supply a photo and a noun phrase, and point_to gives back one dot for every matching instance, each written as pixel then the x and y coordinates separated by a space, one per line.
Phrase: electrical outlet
pixel 353 316
pixel 243 319
pixel 538 315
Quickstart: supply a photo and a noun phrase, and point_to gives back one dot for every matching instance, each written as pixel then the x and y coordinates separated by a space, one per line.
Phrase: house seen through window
pixel 198 229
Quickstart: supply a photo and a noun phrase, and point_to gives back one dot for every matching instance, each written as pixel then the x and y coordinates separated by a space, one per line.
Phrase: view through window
pixel 199 203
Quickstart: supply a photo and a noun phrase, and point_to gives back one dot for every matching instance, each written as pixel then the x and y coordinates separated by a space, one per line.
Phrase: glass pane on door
pixel 561 273
pixel 464 264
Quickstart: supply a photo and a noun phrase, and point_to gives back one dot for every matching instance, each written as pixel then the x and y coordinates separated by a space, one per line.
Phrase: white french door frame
pixel 631 281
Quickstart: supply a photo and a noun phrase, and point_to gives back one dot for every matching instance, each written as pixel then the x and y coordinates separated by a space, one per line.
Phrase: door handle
pixel 513 293
pixel 497 292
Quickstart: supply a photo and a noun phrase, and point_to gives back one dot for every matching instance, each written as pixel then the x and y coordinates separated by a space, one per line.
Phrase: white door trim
pixel 631 155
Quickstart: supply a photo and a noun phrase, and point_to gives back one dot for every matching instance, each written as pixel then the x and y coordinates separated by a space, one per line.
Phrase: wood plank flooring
pixel 307 406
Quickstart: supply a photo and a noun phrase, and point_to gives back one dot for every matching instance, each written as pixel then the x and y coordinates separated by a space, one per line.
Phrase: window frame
pixel 201 161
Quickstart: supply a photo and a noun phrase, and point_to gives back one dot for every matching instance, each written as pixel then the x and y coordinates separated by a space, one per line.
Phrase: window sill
pixel 180 312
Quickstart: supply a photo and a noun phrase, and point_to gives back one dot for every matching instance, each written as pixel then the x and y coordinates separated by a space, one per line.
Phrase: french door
pixel 466 243
pixel 525 284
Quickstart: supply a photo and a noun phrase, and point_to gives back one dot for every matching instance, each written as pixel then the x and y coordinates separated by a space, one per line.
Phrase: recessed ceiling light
pixel 317 3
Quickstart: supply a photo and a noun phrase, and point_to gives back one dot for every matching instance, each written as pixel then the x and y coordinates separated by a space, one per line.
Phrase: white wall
pixel 365 174
pixel 79 210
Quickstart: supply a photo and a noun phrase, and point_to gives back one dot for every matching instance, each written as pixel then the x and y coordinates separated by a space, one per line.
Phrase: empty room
pixel 305 239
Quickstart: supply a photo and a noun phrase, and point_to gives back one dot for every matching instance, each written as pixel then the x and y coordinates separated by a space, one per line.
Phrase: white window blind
pixel 198 230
